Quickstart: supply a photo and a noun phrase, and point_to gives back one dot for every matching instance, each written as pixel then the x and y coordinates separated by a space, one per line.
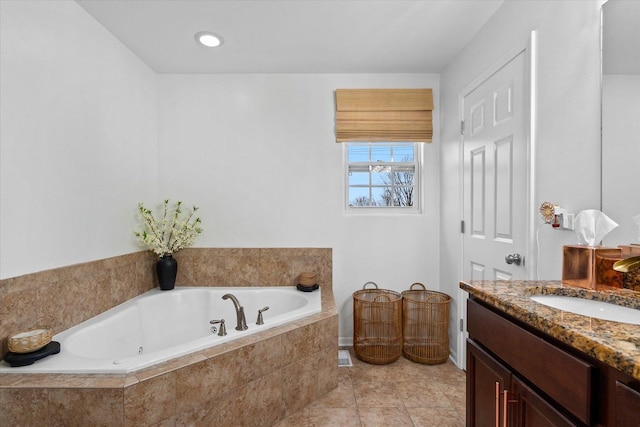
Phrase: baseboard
pixel 345 341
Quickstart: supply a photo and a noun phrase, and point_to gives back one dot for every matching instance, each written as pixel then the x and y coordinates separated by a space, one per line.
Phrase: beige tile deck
pixel 400 394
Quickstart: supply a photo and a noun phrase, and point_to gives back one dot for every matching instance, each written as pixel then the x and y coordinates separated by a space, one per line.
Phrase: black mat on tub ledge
pixel 24 359
pixel 304 288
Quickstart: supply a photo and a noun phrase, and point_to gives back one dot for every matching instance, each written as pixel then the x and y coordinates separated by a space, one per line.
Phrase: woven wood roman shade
pixel 388 115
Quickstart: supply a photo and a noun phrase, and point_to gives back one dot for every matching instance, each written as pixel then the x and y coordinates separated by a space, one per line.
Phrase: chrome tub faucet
pixel 241 320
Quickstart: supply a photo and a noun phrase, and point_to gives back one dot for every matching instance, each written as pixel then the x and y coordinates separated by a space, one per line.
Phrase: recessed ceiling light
pixel 208 39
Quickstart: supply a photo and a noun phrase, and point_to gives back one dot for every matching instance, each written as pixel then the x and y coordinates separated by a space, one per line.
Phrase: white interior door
pixel 495 192
pixel 495 208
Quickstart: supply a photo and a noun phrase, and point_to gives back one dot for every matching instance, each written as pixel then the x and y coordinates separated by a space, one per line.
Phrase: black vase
pixel 167 268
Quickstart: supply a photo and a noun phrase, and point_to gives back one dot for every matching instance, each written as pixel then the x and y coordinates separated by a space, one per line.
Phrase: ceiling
pixel 295 36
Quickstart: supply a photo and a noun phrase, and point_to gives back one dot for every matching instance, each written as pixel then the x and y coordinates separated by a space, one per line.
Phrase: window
pixel 382 176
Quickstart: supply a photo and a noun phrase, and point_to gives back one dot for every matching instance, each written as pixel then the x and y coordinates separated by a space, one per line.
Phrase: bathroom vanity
pixel 529 364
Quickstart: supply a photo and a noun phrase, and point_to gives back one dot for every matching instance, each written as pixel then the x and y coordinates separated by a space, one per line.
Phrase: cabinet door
pixel 486 379
pixel 627 406
pixel 532 410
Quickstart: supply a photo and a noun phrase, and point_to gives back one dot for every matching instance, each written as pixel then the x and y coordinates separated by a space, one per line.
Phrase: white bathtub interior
pixel 160 325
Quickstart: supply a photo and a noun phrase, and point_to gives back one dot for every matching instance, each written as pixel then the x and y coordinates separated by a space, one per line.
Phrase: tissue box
pixel 591 267
pixel 630 250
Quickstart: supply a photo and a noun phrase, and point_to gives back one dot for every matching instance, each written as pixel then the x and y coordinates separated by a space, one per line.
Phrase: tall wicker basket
pixel 377 325
pixel 425 318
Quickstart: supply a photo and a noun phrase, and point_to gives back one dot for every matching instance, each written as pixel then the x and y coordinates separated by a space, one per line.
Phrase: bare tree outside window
pixel 382 175
pixel 399 190
pixel 360 201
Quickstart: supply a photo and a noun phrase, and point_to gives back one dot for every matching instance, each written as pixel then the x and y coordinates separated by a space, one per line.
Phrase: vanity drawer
pixel 563 377
pixel 627 406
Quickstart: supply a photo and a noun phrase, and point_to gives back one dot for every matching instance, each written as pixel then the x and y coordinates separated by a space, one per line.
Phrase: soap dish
pixel 27 342
pixel 25 359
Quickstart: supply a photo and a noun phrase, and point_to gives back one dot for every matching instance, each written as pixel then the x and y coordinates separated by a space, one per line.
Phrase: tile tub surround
pixel 296 363
pixel 63 297
pixel 615 344
pixel 252 267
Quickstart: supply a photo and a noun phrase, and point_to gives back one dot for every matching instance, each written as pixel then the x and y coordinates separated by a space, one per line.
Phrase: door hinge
pixel 461 325
pixel 462 227
pixel 461 127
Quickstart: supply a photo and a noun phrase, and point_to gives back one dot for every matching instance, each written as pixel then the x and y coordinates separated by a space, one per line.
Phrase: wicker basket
pixel 377 325
pixel 26 342
pixel 425 322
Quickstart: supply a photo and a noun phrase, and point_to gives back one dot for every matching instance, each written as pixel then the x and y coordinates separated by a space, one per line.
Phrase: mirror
pixel 621 118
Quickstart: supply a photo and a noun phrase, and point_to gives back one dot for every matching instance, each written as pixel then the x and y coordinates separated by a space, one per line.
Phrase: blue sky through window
pixel 381 174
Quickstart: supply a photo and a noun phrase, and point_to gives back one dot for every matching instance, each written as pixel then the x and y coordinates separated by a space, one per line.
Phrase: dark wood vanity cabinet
pixel 512 402
pixel 535 410
pixel 517 377
pixel 500 398
pixel 627 405
pixel 486 377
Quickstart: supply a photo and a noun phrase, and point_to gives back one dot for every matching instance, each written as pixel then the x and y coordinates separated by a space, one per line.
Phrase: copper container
pixel 591 267
pixel 629 250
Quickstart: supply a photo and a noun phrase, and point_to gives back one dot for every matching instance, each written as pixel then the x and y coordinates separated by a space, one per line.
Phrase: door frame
pixel 528 49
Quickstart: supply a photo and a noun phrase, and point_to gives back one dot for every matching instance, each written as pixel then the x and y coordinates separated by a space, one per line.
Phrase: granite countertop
pixel 616 344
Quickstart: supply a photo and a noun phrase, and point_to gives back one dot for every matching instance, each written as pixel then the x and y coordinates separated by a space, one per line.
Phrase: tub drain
pixel 140 350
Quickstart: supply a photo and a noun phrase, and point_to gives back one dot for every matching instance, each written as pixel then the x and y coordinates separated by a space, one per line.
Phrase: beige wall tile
pixel 274 268
pixel 327 371
pixel 262 358
pixel 17 314
pixel 299 383
pixel 219 410
pixel 260 402
pixel 23 407
pixel 150 401
pixel 83 407
pixel 198 383
pixel 303 341
pixel 63 297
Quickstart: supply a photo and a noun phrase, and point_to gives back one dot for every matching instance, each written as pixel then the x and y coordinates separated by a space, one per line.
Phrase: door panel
pixel 502 275
pixel 477 271
pixel 478 193
pixel 504 181
pixel 494 174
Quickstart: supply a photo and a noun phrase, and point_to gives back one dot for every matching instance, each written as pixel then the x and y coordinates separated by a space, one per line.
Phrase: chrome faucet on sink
pixel 241 320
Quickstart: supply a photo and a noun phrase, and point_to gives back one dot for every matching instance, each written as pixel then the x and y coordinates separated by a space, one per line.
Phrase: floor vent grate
pixel 344 358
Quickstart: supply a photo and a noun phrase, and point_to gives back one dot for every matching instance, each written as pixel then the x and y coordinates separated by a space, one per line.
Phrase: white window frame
pixel 385 210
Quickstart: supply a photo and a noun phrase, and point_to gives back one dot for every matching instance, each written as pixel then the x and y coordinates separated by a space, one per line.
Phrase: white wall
pixel 258 154
pixel 621 155
pixel 567 156
pixel 80 144
pixel 78 118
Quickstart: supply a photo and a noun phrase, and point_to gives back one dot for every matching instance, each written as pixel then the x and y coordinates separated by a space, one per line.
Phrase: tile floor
pixel 403 393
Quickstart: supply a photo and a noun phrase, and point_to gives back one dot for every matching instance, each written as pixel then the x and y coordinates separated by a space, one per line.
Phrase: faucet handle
pixel 223 329
pixel 260 320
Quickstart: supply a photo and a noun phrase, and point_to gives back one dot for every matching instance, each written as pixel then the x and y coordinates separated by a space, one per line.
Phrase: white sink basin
pixel 591 308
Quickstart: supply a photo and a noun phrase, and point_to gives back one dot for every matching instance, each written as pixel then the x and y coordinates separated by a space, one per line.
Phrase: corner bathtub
pixel 161 325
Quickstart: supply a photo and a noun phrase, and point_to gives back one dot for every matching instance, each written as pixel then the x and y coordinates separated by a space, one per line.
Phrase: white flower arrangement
pixel 169 234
